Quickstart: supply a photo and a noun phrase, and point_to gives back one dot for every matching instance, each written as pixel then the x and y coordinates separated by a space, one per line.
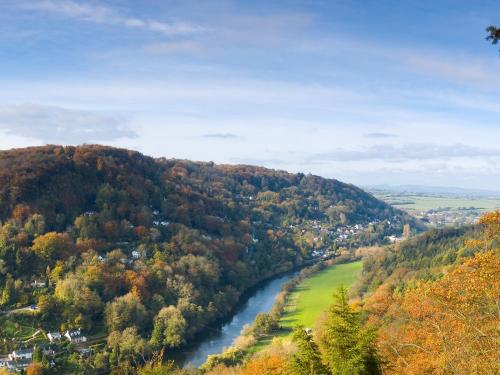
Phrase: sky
pixel 368 92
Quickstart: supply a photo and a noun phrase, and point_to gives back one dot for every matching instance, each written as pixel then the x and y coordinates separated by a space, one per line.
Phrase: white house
pixel 75 337
pixel 21 354
pixel 136 254
pixel 54 336
pixel 38 284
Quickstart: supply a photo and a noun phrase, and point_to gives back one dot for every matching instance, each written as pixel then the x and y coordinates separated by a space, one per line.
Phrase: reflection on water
pixel 259 300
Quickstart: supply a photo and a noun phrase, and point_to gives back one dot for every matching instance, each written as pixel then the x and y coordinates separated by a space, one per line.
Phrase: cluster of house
pixel 75 337
pixel 449 217
pixel 20 359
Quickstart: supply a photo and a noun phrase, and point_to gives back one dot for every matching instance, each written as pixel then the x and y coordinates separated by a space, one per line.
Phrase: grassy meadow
pixel 429 202
pixel 312 297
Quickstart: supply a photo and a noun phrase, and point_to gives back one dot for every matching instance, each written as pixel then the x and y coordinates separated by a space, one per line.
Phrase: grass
pixel 425 203
pixel 311 298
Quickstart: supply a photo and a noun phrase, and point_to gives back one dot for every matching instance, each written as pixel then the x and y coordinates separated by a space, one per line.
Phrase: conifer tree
pixel 307 359
pixel 348 348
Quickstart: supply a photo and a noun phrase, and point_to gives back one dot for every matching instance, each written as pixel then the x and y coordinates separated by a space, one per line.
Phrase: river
pixel 258 300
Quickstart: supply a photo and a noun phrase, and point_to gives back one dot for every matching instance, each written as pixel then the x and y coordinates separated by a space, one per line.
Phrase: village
pixel 20 359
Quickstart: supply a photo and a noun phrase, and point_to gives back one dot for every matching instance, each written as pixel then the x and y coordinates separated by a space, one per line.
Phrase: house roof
pixel 74 334
pixel 22 351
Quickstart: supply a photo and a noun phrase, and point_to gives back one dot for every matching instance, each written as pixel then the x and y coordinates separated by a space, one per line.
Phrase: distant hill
pixel 117 235
pixel 433 190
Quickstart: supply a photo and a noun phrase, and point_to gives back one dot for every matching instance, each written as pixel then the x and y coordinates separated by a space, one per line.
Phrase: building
pixel 136 254
pixel 38 284
pixel 75 337
pixel 17 355
pixel 54 337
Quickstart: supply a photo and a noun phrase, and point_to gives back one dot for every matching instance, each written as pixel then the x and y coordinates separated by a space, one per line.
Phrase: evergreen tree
pixel 306 360
pixel 348 348
pixel 8 291
pixel 37 355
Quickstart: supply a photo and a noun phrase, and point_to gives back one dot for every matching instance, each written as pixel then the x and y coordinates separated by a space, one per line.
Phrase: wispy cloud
pixel 102 14
pixel 60 125
pixel 175 47
pixel 379 135
pixel 220 135
pixel 421 151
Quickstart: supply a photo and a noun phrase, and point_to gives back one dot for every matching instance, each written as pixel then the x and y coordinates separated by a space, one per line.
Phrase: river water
pixel 256 301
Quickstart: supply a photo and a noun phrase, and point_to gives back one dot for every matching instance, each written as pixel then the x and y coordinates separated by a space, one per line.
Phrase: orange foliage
pixel 34 369
pixel 449 326
pixel 491 222
pixel 269 364
pixel 137 284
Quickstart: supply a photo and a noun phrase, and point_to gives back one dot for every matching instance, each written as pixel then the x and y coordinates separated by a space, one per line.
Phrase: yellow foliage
pixel 267 364
pixel 448 326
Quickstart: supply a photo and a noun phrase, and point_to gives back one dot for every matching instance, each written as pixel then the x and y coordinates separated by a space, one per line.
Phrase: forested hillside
pixel 430 306
pixel 152 250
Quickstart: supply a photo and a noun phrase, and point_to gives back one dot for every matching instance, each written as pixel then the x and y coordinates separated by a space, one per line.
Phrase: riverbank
pixel 302 300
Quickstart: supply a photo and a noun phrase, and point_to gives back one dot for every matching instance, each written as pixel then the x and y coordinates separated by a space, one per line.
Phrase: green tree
pixel 8 291
pixel 264 324
pixel 125 311
pixel 37 355
pixel 128 345
pixel 35 225
pixel 307 359
pixel 158 369
pixel 169 327
pixel 348 348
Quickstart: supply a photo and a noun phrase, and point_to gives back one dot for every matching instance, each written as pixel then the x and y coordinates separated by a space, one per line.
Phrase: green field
pixel 425 203
pixel 311 297
pixel 314 295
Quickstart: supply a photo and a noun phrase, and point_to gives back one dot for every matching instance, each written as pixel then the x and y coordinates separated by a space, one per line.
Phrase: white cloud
pixel 106 15
pixel 423 151
pixel 60 125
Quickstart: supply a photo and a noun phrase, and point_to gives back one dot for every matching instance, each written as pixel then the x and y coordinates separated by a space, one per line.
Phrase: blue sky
pixel 369 92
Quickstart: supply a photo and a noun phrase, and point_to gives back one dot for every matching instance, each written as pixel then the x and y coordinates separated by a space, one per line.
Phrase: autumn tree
pixel 125 311
pixel 53 246
pixel 169 328
pixel 266 364
pixel 80 302
pixel 450 325
pixel 34 369
pixel 128 345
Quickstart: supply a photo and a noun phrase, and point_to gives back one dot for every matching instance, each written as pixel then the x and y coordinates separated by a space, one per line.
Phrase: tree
pixel 125 311
pixel 8 292
pixel 264 324
pixel 267 364
pixel 37 355
pixel 79 303
pixel 493 34
pixel 169 328
pixel 34 369
pixel 128 345
pixel 158 368
pixel 449 325
pixel 35 225
pixel 348 348
pixel 53 246
pixel 307 359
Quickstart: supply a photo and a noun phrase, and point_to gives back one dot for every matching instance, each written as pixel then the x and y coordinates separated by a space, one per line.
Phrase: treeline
pixel 149 251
